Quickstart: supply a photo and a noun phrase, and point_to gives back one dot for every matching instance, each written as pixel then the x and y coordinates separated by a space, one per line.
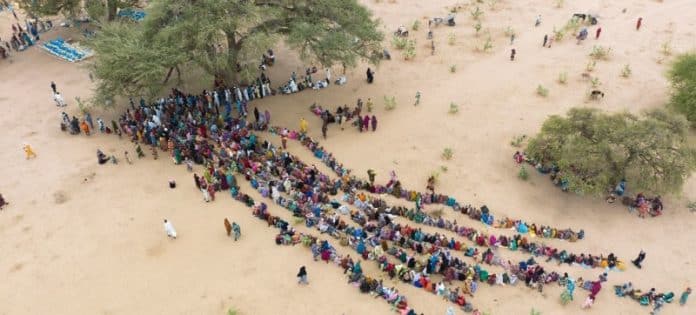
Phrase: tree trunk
pixel 111 8
pixel 232 59
pixel 169 74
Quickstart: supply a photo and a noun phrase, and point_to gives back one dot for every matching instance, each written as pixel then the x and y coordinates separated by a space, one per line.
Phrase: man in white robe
pixel 169 228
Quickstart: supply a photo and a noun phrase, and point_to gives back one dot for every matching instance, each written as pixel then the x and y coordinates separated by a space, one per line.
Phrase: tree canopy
pixel 226 38
pixel 95 9
pixel 683 77
pixel 594 150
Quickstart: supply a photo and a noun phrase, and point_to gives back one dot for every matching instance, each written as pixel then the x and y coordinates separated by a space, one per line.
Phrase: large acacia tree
pixel 595 150
pixel 683 77
pixel 226 38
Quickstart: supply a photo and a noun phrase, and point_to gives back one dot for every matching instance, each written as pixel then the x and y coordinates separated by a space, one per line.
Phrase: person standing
pixel 546 39
pixel 684 296
pixel 639 23
pixel 418 97
pixel 303 125
pixel 169 229
pixel 302 276
pixel 599 31
pixel 324 129
pixel 53 87
pixel 370 75
pixel 512 38
pixel 637 262
pixel 512 54
pixel 374 123
pixel 29 151
pixel 237 230
pixel 328 76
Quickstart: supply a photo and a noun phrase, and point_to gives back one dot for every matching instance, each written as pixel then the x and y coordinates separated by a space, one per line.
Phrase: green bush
pixel 453 108
pixel 542 91
pixel 447 154
pixel 563 77
pixel 683 77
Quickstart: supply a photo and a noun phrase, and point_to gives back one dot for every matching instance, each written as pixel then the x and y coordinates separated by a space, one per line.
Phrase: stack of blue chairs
pixel 60 48
pixel 135 15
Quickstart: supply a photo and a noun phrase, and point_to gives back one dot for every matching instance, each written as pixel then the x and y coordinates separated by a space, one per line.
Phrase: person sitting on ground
pixel 101 157
pixel 3 202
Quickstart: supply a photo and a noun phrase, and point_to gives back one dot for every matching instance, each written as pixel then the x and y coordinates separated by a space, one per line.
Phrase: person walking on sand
pixel 237 230
pixel 304 125
pixel 374 123
pixel 169 229
pixel 418 96
pixel 546 39
pixel 53 87
pixel 599 31
pixel 127 157
pixel 639 260
pixel 639 23
pixel 60 102
pixel 512 38
pixel 512 54
pixel 29 151
pixel 302 276
pixel 3 203
pixel 538 20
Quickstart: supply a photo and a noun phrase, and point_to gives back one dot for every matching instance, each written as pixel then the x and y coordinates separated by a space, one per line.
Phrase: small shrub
pixel 231 311
pixel 410 51
pixel 416 25
pixel 509 31
pixel 451 39
pixel 493 4
pixel 559 4
pixel 590 65
pixel 534 312
pixel 477 27
pixel 600 52
pixel 691 206
pixel 523 174
pixel 389 102
pixel 517 141
pixel 399 42
pixel 626 71
pixel 453 108
pixel 666 48
pixel 476 13
pixel 563 77
pixel 573 25
pixel 453 68
pixel 444 169
pixel 595 82
pixel 447 154
pixel 487 45
pixel 542 91
pixel 558 34
pixel 437 213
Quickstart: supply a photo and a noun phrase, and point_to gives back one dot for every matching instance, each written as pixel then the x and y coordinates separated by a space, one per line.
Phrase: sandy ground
pixel 79 238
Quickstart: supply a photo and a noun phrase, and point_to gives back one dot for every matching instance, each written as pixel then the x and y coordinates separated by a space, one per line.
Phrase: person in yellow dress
pixel 29 151
pixel 304 125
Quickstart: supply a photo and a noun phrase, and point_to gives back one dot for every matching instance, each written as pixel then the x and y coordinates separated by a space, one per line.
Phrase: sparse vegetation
pixel 437 212
pixel 451 39
pixel 453 108
pixel 232 311
pixel 626 71
pixel 453 68
pixel 389 102
pixel 509 31
pixel 447 154
pixel 590 65
pixel 487 45
pixel 517 141
pixel 559 3
pixel 682 75
pixel 444 169
pixel 666 48
pixel 600 52
pixel 476 13
pixel 558 34
pixel 477 27
pixel 410 51
pixel 416 25
pixel 563 77
pixel 691 206
pixel 523 174
pixel 542 91
pixel 595 82
pixel 573 25
pixel 399 43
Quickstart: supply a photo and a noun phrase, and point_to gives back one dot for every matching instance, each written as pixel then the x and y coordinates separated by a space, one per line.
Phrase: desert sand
pixel 83 238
